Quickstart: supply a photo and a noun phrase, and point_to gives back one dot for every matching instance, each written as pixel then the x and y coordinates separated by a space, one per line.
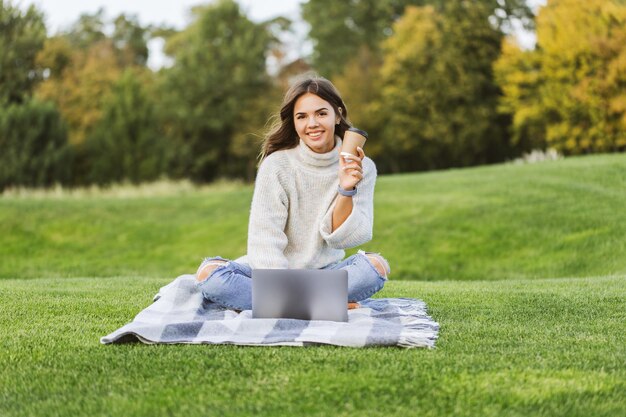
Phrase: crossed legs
pixel 207 268
pixel 205 271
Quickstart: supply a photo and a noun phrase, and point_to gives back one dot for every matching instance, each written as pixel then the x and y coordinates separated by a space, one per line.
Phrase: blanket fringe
pixel 418 332
pixel 413 340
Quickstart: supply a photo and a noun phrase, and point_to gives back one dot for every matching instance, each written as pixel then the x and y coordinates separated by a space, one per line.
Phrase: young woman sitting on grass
pixel 309 203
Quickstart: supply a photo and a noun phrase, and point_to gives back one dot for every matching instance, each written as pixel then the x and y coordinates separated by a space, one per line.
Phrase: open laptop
pixel 305 294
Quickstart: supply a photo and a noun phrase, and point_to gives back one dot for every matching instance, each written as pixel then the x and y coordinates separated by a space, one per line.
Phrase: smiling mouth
pixel 315 135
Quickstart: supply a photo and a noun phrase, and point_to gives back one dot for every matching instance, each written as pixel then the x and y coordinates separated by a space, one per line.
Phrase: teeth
pixel 315 135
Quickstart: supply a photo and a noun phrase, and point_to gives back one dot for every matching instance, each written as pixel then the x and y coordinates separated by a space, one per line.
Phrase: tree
pixel 80 69
pixel 87 30
pixel 218 71
pixel 518 74
pixel 569 93
pixel 439 98
pixel 79 87
pixel 131 41
pixel 360 86
pixel 357 44
pixel 33 139
pixel 81 66
pixel 55 56
pixel 341 29
pixel 22 35
pixel 126 143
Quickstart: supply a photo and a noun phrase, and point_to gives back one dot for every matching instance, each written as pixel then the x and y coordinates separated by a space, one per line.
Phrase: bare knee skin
pixel 205 271
pixel 377 264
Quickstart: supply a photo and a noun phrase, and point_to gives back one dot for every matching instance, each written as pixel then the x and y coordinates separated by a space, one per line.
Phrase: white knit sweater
pixel 291 213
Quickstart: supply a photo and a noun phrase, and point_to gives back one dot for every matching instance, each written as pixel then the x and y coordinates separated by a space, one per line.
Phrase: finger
pixel 355 165
pixel 357 168
pixel 356 161
pixel 361 152
pixel 341 160
pixel 348 157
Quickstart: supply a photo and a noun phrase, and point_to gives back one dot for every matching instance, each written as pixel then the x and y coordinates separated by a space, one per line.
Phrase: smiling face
pixel 314 119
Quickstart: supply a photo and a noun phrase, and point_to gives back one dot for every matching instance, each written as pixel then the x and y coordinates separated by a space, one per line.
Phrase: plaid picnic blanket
pixel 180 314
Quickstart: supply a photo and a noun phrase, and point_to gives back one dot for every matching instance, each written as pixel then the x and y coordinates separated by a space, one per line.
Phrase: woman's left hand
pixel 351 169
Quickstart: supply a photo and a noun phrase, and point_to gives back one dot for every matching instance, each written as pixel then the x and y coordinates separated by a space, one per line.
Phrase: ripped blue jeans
pixel 230 284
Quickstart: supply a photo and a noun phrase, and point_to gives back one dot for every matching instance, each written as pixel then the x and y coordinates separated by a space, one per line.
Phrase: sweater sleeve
pixel 357 228
pixel 268 216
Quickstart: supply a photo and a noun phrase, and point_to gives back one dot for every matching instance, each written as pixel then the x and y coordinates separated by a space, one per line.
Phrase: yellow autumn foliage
pixel 78 82
pixel 569 92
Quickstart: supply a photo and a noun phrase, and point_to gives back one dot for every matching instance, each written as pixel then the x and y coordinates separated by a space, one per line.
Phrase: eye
pixel 322 113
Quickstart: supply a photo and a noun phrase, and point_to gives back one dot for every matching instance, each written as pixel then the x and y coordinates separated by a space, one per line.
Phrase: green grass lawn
pixel 524 268
pixel 563 218
pixel 553 347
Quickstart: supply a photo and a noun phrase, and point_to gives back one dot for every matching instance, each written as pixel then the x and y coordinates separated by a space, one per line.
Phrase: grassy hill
pixel 538 327
pixel 554 219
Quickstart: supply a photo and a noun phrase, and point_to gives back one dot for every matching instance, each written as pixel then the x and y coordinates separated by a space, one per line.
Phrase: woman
pixel 309 203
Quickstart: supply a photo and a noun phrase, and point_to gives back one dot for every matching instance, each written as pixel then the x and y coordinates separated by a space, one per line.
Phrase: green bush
pixel 35 151
pixel 126 144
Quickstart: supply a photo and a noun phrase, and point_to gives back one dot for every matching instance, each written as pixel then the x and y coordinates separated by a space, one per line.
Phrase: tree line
pixel 436 83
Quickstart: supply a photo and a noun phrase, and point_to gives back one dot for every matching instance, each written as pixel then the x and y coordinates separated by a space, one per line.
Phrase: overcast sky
pixel 60 14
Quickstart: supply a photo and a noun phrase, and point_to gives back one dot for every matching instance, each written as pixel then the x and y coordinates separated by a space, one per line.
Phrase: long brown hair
pixel 282 133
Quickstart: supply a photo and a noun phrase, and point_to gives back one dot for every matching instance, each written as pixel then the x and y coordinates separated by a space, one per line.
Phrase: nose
pixel 312 121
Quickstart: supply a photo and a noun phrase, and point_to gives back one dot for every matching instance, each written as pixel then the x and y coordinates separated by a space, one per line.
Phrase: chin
pixel 321 145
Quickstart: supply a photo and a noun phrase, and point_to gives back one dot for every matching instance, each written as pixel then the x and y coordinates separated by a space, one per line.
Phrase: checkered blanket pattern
pixel 179 314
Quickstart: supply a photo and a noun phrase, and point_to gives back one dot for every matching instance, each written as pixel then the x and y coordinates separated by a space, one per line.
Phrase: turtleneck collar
pixel 315 159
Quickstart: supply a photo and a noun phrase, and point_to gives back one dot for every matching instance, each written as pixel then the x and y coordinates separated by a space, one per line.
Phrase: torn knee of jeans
pixel 208 267
pixel 379 263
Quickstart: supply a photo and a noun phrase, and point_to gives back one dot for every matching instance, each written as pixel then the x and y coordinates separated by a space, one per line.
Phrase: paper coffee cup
pixel 352 139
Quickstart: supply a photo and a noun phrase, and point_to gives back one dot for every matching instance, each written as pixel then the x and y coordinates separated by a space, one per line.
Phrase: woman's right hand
pixel 351 169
